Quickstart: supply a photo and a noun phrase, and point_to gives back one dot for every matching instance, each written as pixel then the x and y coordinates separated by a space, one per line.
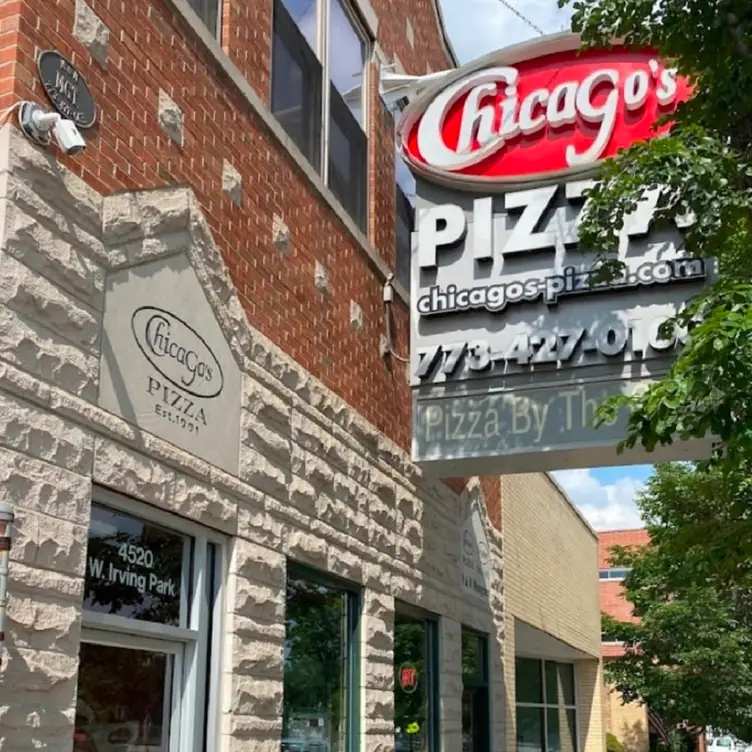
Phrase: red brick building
pixel 630 723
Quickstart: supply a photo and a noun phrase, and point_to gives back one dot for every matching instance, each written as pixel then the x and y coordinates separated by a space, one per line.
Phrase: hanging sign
pixel 67 89
pixel 539 110
pixel 514 340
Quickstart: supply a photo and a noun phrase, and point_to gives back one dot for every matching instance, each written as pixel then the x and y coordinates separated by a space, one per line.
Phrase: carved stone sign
pixel 67 89
pixel 474 554
pixel 165 364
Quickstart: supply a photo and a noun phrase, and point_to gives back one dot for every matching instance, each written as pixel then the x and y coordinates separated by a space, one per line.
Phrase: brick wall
pixel 151 48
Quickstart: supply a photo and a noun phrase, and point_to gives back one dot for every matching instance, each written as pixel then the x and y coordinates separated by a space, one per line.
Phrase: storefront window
pixel 148 669
pixel 415 684
pixel 320 686
pixel 546 710
pixel 110 714
pixel 476 727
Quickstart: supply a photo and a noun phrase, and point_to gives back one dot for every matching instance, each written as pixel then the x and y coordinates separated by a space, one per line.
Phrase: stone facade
pixel 317 483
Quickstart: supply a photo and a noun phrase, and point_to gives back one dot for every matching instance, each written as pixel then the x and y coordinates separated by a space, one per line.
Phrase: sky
pixel 606 496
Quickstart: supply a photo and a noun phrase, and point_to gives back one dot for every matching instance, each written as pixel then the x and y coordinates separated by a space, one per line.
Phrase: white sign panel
pixel 166 366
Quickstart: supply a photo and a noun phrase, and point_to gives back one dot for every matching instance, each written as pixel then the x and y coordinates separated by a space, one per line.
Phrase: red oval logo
pixel 537 111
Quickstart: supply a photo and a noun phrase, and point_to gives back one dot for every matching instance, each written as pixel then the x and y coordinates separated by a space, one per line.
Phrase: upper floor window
pixel 319 87
pixel 613 574
pixel 208 12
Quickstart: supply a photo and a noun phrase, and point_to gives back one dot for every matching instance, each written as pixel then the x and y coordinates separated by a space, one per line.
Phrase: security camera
pixel 37 124
pixel 68 137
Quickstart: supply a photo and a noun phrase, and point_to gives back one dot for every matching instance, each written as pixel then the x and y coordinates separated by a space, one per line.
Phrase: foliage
pixel 689 656
pixel 613 744
pixel 314 655
pixel 704 168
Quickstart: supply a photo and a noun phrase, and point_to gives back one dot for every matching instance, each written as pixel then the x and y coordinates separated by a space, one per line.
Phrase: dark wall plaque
pixel 67 89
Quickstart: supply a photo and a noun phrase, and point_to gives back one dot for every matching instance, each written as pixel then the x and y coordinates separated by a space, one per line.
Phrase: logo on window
pixel 408 678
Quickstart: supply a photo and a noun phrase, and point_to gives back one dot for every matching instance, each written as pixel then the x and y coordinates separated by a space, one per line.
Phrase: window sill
pixel 211 44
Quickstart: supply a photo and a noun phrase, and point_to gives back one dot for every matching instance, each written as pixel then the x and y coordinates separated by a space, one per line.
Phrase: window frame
pixel 322 54
pixel 354 595
pixel 618 574
pixel 198 660
pixel 433 653
pixel 216 32
pixel 545 706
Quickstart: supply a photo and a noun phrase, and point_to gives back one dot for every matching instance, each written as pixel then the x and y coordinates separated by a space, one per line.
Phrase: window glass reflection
pixel 347 58
pixel 305 15
pixel 133 568
pixel 316 668
pixel 123 700
pixel 411 732
pixel 528 680
pixel 529 729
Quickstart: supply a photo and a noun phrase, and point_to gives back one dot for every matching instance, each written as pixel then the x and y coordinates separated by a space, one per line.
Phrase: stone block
pixel 321 278
pixel 260 527
pixel 258 659
pixel 42 583
pixel 356 316
pixel 53 256
pixel 170 117
pixel 44 488
pixel 38 433
pixel 258 564
pixel 263 474
pixel 258 601
pixel 48 542
pixel 280 235
pixel 34 349
pixel 232 182
pixel 40 623
pixel 260 698
pixel 250 629
pixel 307 548
pixel 90 30
pixel 379 703
pixel 196 500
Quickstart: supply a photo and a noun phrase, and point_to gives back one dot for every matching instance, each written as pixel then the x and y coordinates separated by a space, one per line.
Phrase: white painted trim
pixel 136 627
pixel 270 122
pixel 368 15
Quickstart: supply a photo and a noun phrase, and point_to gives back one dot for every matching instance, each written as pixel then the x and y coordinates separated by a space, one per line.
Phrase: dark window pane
pixel 348 159
pixel 347 58
pixel 411 685
pixel 528 680
pixel 553 731
pixel 552 683
pixel 133 568
pixel 404 228
pixel 304 14
pixel 566 677
pixel 296 86
pixel 316 667
pixel 207 11
pixel 123 700
pixel 529 729
pixel 473 655
pixel 475 720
